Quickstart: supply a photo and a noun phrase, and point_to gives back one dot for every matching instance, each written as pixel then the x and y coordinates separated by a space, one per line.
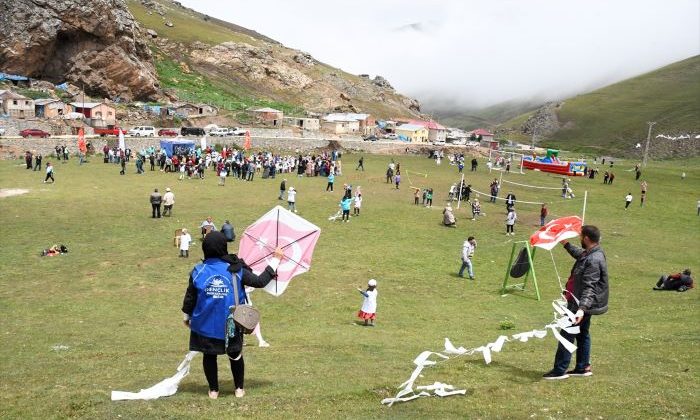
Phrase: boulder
pixel 152 33
pixel 64 41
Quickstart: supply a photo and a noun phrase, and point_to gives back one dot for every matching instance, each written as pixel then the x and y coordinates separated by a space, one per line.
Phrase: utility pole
pixel 646 148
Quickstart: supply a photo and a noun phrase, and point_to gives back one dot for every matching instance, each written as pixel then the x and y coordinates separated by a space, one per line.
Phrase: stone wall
pixel 13 148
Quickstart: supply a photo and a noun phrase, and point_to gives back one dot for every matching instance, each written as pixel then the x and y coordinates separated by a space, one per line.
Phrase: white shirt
pixel 369 305
pixel 510 219
pixel 628 197
pixel 467 250
pixel 169 198
pixel 358 201
pixel 185 240
pixel 291 195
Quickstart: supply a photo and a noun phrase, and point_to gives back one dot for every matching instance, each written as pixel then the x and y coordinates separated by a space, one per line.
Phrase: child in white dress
pixel 368 313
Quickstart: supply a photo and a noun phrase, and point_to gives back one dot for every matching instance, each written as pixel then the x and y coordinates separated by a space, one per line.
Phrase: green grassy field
pixel 114 300
pixel 614 118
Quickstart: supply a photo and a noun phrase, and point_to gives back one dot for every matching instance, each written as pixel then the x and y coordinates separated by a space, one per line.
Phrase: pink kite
pixel 549 235
pixel 279 228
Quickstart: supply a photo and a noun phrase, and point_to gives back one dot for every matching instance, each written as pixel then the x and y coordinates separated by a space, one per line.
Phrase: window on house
pixel 14 102
pixel 109 113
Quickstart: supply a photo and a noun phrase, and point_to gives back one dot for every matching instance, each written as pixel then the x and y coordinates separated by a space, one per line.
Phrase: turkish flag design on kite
pixel 556 231
pixel 279 228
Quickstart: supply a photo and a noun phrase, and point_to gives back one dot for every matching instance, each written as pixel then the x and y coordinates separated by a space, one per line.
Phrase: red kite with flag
pixel 248 144
pixel 549 235
pixel 279 228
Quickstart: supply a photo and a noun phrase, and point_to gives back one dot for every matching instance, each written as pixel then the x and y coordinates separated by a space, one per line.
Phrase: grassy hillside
pixel 614 118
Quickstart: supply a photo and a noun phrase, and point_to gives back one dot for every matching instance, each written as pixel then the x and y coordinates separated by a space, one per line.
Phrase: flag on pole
pixel 122 145
pixel 247 145
pixel 81 141
pixel 549 235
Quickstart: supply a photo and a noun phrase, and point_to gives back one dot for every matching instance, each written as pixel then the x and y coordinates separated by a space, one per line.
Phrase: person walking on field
pixel 292 199
pixel 361 164
pixel 628 200
pixel 283 188
pixel 397 179
pixel 510 222
pixel 467 253
pixel 156 200
pixel 185 240
pixel 644 193
pixel 544 211
pixel 331 180
pixel 49 173
pixel 168 202
pixel 587 292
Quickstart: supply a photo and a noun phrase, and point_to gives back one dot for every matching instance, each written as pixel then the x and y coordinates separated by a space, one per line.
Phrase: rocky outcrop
pixel 544 121
pixel 95 44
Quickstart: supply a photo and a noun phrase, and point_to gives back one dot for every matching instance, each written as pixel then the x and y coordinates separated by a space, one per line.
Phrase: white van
pixel 143 131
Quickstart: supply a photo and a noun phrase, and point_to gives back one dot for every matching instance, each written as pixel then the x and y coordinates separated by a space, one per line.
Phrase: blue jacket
pixel 214 285
pixel 345 203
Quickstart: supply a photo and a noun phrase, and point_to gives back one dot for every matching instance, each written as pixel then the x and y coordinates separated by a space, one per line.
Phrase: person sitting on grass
pixel 368 313
pixel 679 282
pixel 448 216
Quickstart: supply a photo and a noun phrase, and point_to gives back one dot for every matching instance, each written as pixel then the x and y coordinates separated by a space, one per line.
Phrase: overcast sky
pixel 477 53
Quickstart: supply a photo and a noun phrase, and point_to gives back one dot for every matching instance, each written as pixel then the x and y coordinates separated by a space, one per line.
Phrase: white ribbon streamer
pixel 165 388
pixel 564 321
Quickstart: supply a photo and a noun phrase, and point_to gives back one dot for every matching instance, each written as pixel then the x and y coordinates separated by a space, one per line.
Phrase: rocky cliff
pixel 95 44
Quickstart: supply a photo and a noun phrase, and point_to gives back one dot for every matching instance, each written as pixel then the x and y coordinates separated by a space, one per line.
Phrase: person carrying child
pixel 368 313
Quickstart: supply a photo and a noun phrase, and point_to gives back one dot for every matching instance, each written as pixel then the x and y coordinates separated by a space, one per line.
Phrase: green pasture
pixel 114 301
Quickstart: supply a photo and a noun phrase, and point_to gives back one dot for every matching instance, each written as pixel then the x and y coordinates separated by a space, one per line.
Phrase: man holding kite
pixel 587 294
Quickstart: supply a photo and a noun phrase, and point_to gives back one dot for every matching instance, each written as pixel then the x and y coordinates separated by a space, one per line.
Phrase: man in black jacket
pixel 156 200
pixel 587 294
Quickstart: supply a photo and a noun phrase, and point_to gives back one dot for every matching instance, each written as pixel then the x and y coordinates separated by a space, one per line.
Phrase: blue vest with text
pixel 214 287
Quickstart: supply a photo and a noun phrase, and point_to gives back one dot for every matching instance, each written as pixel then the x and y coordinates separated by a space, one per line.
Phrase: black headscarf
pixel 215 246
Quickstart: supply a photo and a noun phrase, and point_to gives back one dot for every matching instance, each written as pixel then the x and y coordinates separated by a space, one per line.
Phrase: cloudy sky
pixel 479 52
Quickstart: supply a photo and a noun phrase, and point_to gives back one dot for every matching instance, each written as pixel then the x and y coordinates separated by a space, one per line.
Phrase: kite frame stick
pixel 585 199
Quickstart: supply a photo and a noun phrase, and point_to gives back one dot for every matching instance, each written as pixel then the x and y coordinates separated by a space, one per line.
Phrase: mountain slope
pixel 470 119
pixel 200 58
pixel 614 118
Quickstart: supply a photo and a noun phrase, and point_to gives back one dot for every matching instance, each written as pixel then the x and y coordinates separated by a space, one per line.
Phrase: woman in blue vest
pixel 206 306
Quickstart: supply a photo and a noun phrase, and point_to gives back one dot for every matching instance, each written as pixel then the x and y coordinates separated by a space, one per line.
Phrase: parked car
pixel 391 136
pixel 370 138
pixel 2 131
pixel 143 131
pixel 191 131
pixel 34 132
pixel 439 143
pixel 167 132
pixel 238 131
pixel 114 131
pixel 220 132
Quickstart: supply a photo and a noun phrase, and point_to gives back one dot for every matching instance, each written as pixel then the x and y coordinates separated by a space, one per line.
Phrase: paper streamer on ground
pixel 564 319
pixel 165 388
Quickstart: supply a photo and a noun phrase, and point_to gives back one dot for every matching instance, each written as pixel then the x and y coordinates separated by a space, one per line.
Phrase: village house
pixel 436 132
pixel 16 105
pixel 268 116
pixel 310 124
pixel 481 135
pixel 50 108
pixel 412 132
pixel 97 114
pixel 348 123
pixel 182 109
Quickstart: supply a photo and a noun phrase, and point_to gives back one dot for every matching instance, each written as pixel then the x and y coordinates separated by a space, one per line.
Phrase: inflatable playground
pixel 551 163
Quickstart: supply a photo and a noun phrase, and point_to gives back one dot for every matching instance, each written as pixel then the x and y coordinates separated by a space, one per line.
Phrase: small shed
pixel 50 108
pixel 310 124
pixel 16 105
pixel 268 116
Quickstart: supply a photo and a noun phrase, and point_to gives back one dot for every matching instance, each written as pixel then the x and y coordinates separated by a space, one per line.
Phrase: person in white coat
pixel 185 241
pixel 510 221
